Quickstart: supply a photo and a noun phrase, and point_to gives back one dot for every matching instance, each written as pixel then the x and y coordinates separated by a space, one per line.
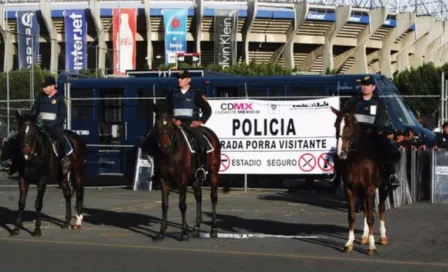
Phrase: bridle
pixel 164 131
pixel 339 135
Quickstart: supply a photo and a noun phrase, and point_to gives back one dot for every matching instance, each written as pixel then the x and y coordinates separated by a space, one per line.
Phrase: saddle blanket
pixel 68 147
pixel 208 147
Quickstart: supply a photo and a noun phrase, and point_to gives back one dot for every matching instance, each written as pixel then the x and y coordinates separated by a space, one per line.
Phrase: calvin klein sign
pixel 225 37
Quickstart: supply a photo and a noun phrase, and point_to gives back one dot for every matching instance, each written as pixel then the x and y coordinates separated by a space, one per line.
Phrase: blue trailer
pixel 112 114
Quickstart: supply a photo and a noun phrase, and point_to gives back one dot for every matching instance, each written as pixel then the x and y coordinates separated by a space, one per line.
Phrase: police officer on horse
pixel 51 107
pixel 371 113
pixel 185 104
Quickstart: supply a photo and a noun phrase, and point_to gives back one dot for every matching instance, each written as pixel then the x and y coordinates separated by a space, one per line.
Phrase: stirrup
pixel 203 174
pixel 393 181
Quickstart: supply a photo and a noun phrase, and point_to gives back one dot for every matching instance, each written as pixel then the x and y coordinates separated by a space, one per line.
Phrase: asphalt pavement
pixel 259 231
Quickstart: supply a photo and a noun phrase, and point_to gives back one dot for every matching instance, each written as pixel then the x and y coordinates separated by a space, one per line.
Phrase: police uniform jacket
pixel 371 114
pixel 186 107
pixel 51 110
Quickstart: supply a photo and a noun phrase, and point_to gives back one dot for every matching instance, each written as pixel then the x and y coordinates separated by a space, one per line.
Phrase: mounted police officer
pixel 51 107
pixel 185 104
pixel 371 112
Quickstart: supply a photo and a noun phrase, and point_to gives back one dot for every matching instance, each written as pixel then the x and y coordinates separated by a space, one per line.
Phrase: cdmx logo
pixel 236 106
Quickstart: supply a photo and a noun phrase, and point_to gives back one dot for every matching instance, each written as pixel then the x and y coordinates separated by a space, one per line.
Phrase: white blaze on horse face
pixel 340 142
pixel 164 122
pixel 27 129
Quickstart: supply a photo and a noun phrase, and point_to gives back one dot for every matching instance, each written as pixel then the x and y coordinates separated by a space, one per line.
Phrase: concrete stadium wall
pixel 308 37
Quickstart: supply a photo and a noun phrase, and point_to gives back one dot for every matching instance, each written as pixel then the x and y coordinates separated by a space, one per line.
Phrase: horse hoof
pixel 184 237
pixel 158 238
pixel 65 226
pixel 384 241
pixel 373 252
pixel 77 226
pixel 214 233
pixel 14 232
pixel 348 249
pixel 36 233
pixel 364 241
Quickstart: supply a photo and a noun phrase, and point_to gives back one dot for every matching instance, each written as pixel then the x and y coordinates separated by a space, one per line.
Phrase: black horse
pixel 37 163
pixel 174 168
pixel 361 173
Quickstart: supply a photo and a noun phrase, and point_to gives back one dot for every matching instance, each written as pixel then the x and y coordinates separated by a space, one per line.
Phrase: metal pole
pixel 245 182
pixel 445 112
pixel 97 59
pixel 32 73
pixel 442 97
pixel 119 37
pixel 5 22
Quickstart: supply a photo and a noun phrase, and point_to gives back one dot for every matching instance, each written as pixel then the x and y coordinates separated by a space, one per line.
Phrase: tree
pixel 425 80
pixel 252 69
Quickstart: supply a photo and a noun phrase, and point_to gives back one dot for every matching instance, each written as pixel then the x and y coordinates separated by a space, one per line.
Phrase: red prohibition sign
pixel 225 163
pixel 325 162
pixel 307 162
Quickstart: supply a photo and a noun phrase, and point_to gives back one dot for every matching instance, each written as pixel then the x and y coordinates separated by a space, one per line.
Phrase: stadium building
pixel 314 36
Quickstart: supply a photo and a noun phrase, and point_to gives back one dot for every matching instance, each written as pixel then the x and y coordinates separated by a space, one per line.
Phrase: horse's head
pixel 347 132
pixel 28 135
pixel 164 128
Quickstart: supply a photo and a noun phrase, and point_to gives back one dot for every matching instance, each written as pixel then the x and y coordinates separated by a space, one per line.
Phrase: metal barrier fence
pixel 439 177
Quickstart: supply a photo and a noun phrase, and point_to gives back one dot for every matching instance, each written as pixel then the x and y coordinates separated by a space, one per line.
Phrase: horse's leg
pixel 23 187
pixel 351 197
pixel 78 180
pixel 41 187
pixel 183 209
pixel 68 203
pixel 371 191
pixel 214 197
pixel 365 234
pixel 163 225
pixel 198 196
pixel 382 208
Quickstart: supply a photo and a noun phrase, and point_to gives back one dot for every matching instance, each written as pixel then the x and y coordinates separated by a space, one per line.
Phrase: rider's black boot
pixel 393 180
pixel 201 173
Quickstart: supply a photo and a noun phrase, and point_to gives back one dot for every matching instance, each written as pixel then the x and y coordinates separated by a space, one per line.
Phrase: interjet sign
pixel 75 40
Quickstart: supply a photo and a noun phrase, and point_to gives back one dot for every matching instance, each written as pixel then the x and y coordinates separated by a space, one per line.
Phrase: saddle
pixel 68 147
pixel 191 141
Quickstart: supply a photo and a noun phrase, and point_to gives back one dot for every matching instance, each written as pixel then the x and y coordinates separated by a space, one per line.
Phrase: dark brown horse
pixel 39 164
pixel 174 168
pixel 361 173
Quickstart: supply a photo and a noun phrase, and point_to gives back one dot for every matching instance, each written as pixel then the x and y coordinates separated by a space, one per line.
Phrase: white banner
pixel 275 137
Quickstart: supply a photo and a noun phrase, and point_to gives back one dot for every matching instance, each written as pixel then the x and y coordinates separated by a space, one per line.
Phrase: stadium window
pixel 82 109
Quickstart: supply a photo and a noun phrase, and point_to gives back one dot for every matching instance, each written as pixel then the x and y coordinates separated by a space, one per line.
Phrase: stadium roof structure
pixel 434 8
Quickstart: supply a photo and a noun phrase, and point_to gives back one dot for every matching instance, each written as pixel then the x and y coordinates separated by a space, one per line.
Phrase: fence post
pixel 442 100
pixel 433 175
